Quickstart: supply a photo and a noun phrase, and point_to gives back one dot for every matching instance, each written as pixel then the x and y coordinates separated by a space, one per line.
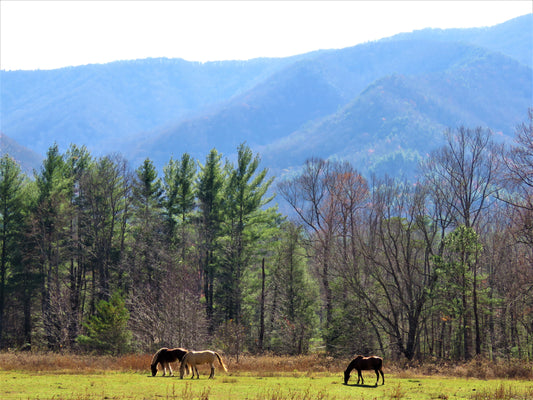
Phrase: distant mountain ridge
pixel 382 105
pixel 27 160
pixel 513 38
pixel 403 117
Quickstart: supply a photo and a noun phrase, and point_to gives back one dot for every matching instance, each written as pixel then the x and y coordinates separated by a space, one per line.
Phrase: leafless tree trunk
pixel 262 306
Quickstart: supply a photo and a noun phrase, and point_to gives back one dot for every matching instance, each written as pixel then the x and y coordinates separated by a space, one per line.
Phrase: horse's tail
pixel 221 362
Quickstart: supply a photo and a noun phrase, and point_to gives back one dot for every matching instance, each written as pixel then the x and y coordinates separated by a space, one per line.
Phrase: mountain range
pixel 381 105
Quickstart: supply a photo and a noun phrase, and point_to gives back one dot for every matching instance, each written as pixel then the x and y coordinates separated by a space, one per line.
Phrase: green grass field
pixel 294 386
pixel 58 376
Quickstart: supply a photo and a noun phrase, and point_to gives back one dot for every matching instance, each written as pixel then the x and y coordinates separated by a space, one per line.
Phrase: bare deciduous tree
pixel 309 196
pixel 462 174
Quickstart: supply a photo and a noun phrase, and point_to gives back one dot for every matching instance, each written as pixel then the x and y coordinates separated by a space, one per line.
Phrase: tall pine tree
pixel 244 195
pixel 11 227
pixel 209 195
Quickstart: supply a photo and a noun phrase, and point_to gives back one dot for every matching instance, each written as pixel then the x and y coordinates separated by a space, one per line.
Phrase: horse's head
pixel 154 369
pixel 346 376
pixel 184 365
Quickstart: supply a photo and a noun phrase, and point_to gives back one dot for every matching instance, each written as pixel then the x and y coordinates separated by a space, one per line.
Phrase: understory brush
pixel 479 368
pixel 266 365
pixel 503 392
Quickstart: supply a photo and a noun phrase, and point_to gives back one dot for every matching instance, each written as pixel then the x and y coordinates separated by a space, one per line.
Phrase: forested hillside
pixel 393 90
pixel 99 257
pixel 398 119
pixel 260 205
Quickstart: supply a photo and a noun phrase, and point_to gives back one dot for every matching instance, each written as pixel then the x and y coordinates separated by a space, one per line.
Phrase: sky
pixel 54 34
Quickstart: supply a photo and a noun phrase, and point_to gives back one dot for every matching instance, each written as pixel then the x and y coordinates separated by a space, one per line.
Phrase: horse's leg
pixel 212 374
pixel 359 376
pixel 170 369
pixel 164 365
pixel 377 376
pixel 382 377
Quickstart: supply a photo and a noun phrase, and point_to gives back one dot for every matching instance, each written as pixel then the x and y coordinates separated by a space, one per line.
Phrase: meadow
pixel 314 377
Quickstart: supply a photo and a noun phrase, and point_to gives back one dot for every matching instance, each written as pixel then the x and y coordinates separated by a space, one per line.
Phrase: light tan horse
pixel 194 358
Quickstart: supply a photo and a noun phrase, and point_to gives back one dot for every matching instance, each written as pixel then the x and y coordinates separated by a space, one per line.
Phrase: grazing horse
pixel 364 363
pixel 165 356
pixel 194 358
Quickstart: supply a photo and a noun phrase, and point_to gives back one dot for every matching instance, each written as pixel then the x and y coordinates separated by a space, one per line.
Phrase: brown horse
pixel 165 356
pixel 364 363
pixel 194 358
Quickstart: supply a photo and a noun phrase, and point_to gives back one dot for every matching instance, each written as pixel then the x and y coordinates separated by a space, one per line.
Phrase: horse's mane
pixel 157 354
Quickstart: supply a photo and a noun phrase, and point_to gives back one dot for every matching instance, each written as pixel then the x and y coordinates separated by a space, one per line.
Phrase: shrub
pixel 107 331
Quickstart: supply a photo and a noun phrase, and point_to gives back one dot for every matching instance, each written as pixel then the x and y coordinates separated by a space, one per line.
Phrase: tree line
pixel 99 257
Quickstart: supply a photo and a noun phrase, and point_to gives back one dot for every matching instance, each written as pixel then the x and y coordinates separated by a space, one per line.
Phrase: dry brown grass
pixel 503 393
pixel 72 363
pixel 484 369
pixel 478 368
pixel 272 364
pixel 265 365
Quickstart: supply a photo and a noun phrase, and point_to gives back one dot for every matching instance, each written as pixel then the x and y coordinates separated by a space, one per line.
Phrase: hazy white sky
pixel 54 34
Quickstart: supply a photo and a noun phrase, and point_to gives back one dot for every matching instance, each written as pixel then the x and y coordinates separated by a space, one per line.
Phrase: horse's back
pixel 370 362
pixel 178 352
pixel 201 357
pixel 203 354
pixel 375 360
pixel 181 349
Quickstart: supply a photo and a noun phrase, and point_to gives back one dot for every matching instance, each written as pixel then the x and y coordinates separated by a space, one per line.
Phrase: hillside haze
pixel 381 105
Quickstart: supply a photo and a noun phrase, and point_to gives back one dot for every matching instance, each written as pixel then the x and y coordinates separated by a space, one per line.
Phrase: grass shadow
pixel 362 386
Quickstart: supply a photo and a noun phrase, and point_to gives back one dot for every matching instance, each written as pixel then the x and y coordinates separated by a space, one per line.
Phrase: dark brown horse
pixel 165 356
pixel 361 363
